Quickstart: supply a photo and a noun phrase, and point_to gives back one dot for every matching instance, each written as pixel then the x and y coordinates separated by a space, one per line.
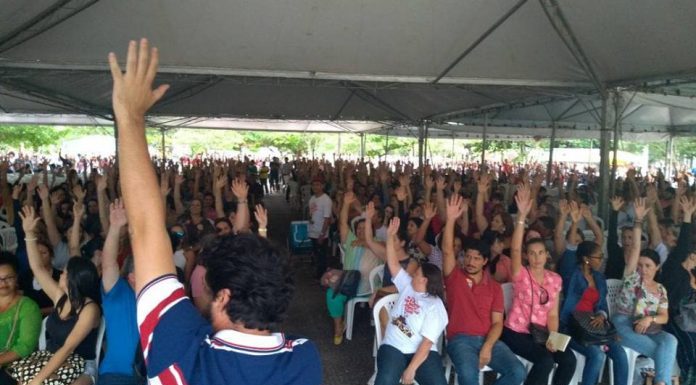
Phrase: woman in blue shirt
pixel 587 291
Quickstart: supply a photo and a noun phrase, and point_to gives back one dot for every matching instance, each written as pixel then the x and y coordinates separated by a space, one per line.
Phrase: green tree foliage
pixel 33 137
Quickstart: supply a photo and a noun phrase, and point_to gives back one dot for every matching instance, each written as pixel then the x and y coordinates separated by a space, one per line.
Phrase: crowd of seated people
pixel 129 243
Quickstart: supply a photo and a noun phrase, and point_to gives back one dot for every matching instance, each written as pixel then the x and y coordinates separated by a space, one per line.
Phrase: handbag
pixel 348 286
pixel 582 330
pixel 540 334
pixel 27 368
pixel 686 318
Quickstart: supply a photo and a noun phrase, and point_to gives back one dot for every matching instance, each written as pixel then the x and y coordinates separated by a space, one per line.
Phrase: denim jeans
pixel 594 359
pixel 542 359
pixel 320 249
pixel 661 347
pixel 391 364
pixel 464 351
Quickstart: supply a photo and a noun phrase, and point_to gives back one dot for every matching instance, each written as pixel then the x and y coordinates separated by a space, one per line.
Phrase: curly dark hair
pixel 258 276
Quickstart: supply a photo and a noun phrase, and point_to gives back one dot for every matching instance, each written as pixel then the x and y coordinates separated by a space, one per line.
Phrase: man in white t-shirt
pixel 319 222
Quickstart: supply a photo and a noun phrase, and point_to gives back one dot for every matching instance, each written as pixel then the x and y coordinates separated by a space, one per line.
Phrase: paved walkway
pixel 348 364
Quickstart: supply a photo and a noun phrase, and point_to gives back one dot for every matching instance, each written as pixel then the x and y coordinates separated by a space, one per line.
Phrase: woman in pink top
pixel 536 295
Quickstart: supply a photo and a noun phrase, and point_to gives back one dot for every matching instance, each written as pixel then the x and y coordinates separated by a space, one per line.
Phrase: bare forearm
pixel 494 334
pixel 421 354
pixel 103 201
pixel 110 271
pixel 7 357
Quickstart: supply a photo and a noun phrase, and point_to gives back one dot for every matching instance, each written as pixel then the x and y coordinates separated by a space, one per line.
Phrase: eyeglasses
pixel 8 279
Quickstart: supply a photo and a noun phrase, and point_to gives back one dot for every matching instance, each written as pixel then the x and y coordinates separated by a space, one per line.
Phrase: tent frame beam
pixel 48 18
pixel 479 40
pixel 555 15
pixel 390 80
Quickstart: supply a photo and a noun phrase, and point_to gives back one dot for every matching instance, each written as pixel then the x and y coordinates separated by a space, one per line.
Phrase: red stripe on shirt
pixel 151 320
pixel 172 376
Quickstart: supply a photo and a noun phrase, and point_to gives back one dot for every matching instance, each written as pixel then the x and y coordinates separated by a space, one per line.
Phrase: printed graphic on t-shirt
pixel 411 306
pixel 400 322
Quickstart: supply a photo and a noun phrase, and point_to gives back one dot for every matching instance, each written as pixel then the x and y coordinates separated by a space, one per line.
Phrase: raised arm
pixel 440 197
pixel 681 251
pixel 110 270
pixel 484 184
pixel 132 97
pixel 653 229
pixel 376 247
pixel 454 210
pixel 592 223
pixel 392 258
pixel 103 202
pixel 559 238
pixel 29 223
pixel 240 189
pixel 613 237
pixel 419 239
pixel 524 205
pixel 641 211
pixel 219 184
pixel 261 215
pixel 76 229
pixel 178 204
pixel 48 216
pixel 343 226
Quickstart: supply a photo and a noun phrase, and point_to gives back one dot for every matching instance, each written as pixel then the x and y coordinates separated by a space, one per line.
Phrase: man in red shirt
pixel 475 308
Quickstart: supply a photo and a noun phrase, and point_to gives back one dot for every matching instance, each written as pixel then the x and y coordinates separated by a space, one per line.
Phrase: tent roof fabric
pixel 338 61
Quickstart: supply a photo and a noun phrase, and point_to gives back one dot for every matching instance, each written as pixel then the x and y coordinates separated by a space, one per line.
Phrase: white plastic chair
pixel 98 347
pixel 613 290
pixel 360 298
pixel 387 302
pixel 8 239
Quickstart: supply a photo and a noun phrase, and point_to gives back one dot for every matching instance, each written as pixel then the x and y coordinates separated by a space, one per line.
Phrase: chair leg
pixel 350 309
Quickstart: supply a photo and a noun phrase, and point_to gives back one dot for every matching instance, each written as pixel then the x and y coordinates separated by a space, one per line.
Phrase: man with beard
pixel 475 308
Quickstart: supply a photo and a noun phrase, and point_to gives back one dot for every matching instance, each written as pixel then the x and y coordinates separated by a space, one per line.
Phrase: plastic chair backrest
pixel 8 239
pixel 376 274
pixel 387 303
pixel 4 225
pixel 343 254
pixel 613 290
pixel 507 295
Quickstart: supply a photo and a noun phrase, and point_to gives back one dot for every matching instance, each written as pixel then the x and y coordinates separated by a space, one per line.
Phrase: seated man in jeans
pixel 249 281
pixel 475 308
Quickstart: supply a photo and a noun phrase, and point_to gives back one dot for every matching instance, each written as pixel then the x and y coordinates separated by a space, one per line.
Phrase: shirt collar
pixel 246 341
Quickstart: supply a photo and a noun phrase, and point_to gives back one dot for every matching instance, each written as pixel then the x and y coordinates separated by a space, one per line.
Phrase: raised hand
pixel 78 210
pixel 370 211
pixel 117 214
pixel 79 193
pixel 484 182
pixel 133 94
pixel 688 206
pixel 349 198
pixel 393 227
pixel 564 208
pixel 440 183
pixel 617 203
pixel 523 200
pixel 401 193
pixel 240 189
pixel 17 191
pixel 457 186
pixel 43 193
pixel 261 215
pixel 178 180
pixel 586 212
pixel 651 194
pixel 29 220
pixel 454 207
pixel 430 211
pixel 429 182
pixel 641 209
pixel 101 182
pixel 220 182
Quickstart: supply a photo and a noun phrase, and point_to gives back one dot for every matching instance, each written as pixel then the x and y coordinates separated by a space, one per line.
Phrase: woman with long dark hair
pixel 409 350
pixel 73 325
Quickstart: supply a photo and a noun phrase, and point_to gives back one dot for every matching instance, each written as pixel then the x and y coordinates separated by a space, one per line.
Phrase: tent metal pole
pixel 670 156
pixel 484 143
pixel 362 146
pixel 426 146
pixel 618 111
pixel 552 144
pixel 338 150
pixel 421 144
pixel 164 149
pixel 386 148
pixel 603 204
